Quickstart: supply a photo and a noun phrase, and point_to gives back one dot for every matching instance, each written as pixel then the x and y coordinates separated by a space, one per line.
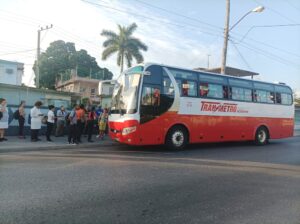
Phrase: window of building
pixel 93 91
pixel 9 71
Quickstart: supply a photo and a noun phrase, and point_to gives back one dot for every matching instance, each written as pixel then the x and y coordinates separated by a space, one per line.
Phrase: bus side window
pixel 278 98
pixel 156 97
pixel 225 92
pixel 271 97
pixel 146 96
pixel 254 96
pixel 203 90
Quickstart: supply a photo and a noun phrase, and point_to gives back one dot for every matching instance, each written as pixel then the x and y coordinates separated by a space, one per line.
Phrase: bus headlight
pixel 128 130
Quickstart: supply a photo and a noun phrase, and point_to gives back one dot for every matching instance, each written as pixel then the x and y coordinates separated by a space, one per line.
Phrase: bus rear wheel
pixel 261 136
pixel 177 138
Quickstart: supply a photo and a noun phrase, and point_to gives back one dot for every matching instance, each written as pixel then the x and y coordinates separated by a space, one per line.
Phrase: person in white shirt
pixel 50 122
pixel 61 120
pixel 36 121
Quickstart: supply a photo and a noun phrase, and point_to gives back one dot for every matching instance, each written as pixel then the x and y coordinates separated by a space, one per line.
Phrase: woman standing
pixel 4 119
pixel 50 122
pixel 36 121
pixel 102 123
pixel 90 123
pixel 21 119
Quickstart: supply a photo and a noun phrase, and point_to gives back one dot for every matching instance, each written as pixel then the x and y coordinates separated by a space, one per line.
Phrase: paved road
pixel 211 183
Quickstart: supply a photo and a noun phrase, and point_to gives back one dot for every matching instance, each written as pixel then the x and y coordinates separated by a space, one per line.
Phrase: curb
pixel 57 147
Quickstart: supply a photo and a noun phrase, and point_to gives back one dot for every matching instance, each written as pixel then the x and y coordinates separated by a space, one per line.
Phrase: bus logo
pixel 218 107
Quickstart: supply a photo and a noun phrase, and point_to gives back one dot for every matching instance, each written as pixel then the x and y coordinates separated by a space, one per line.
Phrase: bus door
pixel 150 109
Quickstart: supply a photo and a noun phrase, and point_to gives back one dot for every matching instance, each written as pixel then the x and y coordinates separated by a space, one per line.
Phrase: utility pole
pixel 208 61
pixel 226 32
pixel 37 69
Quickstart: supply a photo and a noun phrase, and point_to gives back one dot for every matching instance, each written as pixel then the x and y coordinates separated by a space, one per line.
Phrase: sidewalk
pixel 14 144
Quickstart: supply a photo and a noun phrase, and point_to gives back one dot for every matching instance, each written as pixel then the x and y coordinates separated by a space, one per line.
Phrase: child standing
pixel 102 123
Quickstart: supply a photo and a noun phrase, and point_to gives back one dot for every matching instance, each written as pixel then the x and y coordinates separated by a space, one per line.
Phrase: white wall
pixel 9 73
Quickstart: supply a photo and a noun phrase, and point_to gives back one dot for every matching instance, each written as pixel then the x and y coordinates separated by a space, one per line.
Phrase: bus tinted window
pixel 183 74
pixel 150 96
pixel 168 87
pixel 286 99
pixel 242 94
pixel 155 76
pixel 260 96
pixel 212 79
pixel 263 86
pixel 263 96
pixel 211 90
pixel 283 89
pixel 189 88
pixel 240 83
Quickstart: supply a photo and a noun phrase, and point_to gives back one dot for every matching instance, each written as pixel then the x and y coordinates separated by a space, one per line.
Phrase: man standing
pixel 60 125
pixel 72 120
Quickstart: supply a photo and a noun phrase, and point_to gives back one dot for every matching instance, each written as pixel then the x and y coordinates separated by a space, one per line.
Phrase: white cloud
pixel 82 23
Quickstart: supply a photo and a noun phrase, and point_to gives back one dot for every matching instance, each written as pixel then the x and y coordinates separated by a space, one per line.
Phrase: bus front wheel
pixel 261 136
pixel 177 138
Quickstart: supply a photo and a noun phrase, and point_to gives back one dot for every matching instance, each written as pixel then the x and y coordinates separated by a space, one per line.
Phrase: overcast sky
pixel 181 33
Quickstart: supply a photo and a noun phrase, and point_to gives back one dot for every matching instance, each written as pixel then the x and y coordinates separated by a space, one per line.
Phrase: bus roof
pixel 147 64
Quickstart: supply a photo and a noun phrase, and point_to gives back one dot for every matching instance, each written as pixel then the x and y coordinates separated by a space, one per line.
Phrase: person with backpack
pixel 3 119
pixel 20 116
pixel 72 126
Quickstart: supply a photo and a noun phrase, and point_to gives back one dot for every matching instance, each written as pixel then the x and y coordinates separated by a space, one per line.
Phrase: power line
pixel 182 25
pixel 269 55
pixel 242 57
pixel 292 5
pixel 17 52
pixel 180 15
pixel 276 12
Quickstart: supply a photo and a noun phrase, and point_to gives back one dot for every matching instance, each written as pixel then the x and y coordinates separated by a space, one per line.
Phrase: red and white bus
pixel 158 104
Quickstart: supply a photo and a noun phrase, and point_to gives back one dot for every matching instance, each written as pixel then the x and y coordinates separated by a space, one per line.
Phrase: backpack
pixel 16 114
pixel 67 118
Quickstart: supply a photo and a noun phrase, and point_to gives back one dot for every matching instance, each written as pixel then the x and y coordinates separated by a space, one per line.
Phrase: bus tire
pixel 177 138
pixel 261 136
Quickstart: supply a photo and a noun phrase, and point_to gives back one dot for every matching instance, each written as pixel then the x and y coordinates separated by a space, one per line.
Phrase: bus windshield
pixel 124 98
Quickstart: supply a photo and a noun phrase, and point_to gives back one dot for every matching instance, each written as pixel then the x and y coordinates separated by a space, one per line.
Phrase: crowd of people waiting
pixel 79 121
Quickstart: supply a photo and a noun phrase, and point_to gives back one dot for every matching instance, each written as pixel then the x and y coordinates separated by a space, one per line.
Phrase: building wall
pixel 14 94
pixel 11 72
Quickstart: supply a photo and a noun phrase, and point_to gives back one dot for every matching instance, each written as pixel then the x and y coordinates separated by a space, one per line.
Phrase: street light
pixel 227 29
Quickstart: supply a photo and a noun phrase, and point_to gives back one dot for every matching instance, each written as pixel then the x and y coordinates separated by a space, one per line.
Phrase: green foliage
pixel 126 46
pixel 60 57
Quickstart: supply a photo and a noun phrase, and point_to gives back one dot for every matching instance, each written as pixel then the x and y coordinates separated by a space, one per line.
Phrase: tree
pixel 126 46
pixel 60 57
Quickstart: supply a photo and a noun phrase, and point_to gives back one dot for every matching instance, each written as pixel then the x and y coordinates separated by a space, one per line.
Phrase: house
pixel 11 72
pixel 86 87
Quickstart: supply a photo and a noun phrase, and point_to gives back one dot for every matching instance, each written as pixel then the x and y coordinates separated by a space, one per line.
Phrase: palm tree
pixel 124 44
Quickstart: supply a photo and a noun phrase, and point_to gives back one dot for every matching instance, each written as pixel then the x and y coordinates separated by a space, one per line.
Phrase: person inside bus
pixel 204 89
pixel 156 97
